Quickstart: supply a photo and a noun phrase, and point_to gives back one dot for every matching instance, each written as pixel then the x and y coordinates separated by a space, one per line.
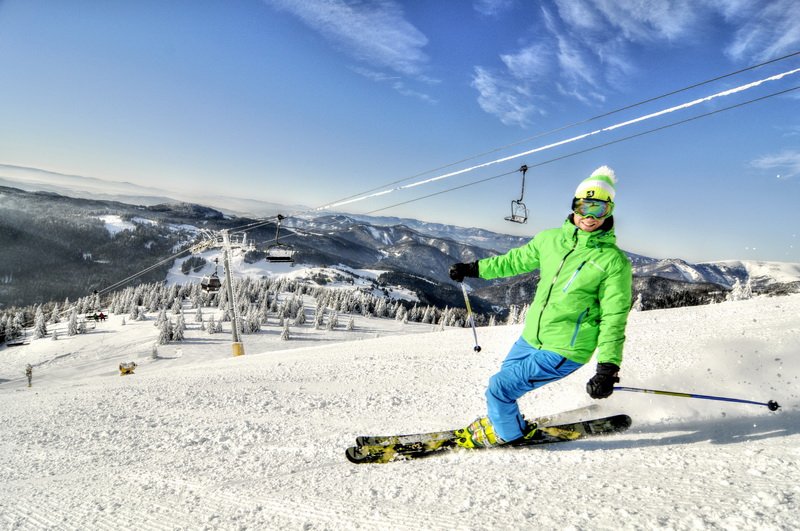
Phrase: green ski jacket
pixel 583 296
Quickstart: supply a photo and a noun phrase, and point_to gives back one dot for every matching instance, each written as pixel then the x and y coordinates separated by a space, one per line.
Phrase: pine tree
pixel 285 333
pixel 351 324
pixel 513 313
pixel 55 318
pixel 333 321
pixel 162 316
pixel 39 326
pixel 300 316
pixel 637 304
pixel 212 325
pixel 72 325
pixel 165 332
pixel 198 315
pixel 179 329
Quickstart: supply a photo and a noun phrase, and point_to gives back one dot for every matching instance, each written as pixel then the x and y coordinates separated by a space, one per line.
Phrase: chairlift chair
pixel 211 283
pixel 519 212
pixel 280 252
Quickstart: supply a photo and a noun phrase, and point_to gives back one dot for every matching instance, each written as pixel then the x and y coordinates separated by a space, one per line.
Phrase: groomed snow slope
pixel 200 440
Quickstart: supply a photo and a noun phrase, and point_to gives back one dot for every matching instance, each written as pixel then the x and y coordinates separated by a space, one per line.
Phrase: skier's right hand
pixel 459 271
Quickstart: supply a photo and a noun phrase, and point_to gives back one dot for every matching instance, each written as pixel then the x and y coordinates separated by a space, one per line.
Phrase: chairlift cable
pixel 575 138
pixel 569 126
pixel 593 148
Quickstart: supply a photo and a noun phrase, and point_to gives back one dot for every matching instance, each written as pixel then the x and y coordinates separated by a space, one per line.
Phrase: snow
pixel 777 271
pixel 115 224
pixel 199 439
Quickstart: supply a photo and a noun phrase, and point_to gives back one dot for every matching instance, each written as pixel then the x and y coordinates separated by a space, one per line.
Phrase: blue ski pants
pixel 525 368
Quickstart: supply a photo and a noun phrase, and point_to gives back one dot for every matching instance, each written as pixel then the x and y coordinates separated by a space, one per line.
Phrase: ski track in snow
pixel 198 439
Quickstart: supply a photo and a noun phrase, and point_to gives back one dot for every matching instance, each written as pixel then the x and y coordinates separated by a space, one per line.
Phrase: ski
pixel 546 420
pixel 385 453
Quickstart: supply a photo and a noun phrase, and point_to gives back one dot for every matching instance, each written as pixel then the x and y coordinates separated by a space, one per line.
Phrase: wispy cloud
pixel 765 29
pixel 375 34
pixel 587 47
pixel 492 7
pixel 785 164
pixel 634 21
pixel 508 100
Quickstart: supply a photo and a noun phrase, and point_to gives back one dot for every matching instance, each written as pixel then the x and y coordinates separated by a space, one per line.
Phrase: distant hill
pixel 56 247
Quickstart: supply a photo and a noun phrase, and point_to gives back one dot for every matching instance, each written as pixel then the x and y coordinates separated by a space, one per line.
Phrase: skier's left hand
pixel 602 384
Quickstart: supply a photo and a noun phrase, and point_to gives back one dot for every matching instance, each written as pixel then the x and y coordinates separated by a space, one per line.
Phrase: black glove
pixel 602 384
pixel 459 271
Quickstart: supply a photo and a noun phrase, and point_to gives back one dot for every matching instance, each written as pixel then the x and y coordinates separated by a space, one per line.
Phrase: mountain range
pixel 55 246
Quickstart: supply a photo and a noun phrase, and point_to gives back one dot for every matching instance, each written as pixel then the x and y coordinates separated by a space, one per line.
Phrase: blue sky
pixel 314 101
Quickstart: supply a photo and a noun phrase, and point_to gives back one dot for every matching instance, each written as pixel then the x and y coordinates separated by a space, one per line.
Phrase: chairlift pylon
pixel 519 212
pixel 280 252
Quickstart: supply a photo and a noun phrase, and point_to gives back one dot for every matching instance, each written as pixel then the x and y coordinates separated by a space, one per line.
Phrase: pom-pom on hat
pixel 601 184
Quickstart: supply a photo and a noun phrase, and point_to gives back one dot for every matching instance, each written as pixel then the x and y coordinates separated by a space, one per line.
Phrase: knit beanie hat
pixel 601 184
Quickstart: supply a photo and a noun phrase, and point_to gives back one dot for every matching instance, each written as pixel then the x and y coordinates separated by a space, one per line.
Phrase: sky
pixel 313 102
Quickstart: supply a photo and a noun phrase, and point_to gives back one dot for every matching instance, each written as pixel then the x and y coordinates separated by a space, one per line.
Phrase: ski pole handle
pixel 477 347
pixel 772 405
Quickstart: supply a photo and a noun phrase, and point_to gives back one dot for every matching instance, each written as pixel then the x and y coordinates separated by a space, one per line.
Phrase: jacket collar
pixel 598 238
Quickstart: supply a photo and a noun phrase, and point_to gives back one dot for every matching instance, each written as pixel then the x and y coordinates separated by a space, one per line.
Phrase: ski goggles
pixel 592 208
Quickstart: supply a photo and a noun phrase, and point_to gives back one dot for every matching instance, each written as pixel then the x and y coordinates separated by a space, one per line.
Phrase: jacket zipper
pixel 578 326
pixel 572 278
pixel 552 284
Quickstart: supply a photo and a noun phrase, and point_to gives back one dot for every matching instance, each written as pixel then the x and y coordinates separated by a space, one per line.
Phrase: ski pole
pixel 477 347
pixel 772 405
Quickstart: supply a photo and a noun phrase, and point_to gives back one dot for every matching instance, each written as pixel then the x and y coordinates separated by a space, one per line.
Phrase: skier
pixel 581 306
pixel 29 373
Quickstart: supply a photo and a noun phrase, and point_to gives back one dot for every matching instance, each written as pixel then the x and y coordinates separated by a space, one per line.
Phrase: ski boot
pixel 480 434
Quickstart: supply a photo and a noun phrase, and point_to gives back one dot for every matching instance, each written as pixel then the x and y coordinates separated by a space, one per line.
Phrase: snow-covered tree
pixel 39 325
pixel 637 304
pixel 55 316
pixel 162 316
pixel 179 329
pixel 72 325
pixel 300 316
pixel 165 332
pixel 134 312
pixel 333 321
pixel 285 333
pixel 740 292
